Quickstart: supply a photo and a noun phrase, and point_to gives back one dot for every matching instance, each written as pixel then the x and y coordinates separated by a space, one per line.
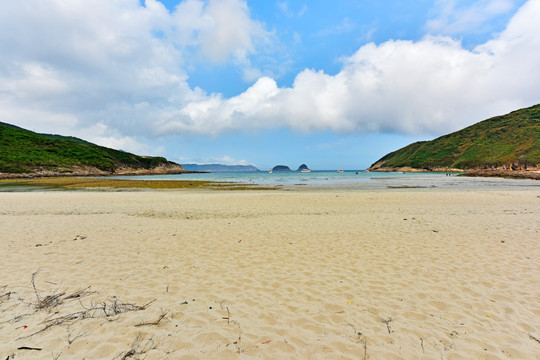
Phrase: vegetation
pixel 74 183
pixel 23 151
pixel 511 141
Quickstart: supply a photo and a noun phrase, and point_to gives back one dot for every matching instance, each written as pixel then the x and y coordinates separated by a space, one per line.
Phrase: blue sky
pixel 331 84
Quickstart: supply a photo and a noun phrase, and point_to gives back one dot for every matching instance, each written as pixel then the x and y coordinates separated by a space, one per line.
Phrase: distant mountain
pixel 302 167
pixel 508 142
pixel 281 168
pixel 24 153
pixel 219 167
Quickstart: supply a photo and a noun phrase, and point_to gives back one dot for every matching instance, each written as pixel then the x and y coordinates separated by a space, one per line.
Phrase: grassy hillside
pixel 511 140
pixel 23 151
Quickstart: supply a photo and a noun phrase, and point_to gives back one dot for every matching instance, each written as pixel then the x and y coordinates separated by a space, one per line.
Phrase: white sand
pixel 405 274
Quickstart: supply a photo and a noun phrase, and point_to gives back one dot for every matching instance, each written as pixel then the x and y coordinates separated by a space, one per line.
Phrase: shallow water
pixel 348 180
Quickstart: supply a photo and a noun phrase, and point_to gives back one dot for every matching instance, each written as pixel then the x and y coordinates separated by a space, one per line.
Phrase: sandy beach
pixel 200 274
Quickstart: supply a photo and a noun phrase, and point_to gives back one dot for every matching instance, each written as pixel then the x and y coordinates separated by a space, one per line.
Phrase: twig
pixel 105 309
pixel 238 342
pixel 228 318
pixel 146 305
pixel 66 318
pixel 54 322
pixel 153 322
pixel 135 348
pixel 28 348
pixel 51 301
pixel 71 341
pixel 364 345
pixel 34 286
pixel 387 322
pixel 534 338
pixel 5 296
pixel 17 318
pixel 422 344
pixel 80 293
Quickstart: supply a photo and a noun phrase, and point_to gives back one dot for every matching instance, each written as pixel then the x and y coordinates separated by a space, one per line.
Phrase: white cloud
pixel 297 39
pixel 303 10
pixel 231 31
pixel 452 19
pixel 345 26
pixel 215 115
pixel 69 65
pixel 225 160
pixel 430 86
pixel 101 134
pixel 283 6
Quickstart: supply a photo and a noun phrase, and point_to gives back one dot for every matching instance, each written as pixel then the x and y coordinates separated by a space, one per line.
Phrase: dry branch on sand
pixel 163 314
pixel 139 347
pixel 52 300
pixel 106 309
pixel 5 296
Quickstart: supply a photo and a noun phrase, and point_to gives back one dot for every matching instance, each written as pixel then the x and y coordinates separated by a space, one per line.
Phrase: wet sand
pixel 193 274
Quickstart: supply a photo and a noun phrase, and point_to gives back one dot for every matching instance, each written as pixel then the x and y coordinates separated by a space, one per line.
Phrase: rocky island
pixel 281 168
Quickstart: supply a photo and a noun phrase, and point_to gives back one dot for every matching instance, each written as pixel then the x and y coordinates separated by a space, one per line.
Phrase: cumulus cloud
pixel 426 87
pixel 231 30
pixel 69 65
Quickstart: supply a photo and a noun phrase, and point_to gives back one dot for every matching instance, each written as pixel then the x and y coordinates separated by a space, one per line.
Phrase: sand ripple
pixel 424 274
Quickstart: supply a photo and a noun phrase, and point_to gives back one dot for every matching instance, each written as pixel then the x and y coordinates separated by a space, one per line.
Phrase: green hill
pixel 510 141
pixel 28 153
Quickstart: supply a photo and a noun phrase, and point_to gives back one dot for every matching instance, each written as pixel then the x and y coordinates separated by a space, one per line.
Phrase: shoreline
pixel 507 174
pixel 499 173
pixel 317 184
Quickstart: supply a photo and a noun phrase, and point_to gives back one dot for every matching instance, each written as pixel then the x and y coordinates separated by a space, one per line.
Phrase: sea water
pixel 348 179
